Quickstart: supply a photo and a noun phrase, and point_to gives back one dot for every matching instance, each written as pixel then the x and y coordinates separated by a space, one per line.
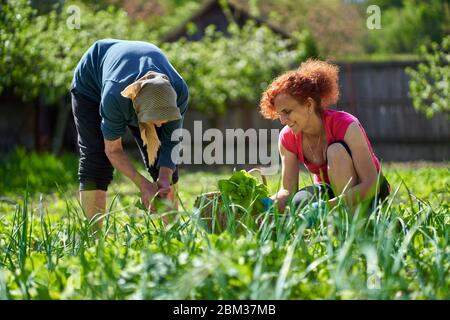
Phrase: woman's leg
pixel 341 171
pixel 304 196
pixel 93 202
pixel 309 194
pixel 95 171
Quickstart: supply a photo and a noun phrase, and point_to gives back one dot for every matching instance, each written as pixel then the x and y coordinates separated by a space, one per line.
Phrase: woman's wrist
pixel 283 193
pixel 165 174
pixel 137 179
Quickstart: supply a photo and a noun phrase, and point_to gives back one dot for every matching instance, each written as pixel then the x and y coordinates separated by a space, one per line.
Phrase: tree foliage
pixel 430 82
pixel 336 26
pixel 220 70
pixel 340 26
pixel 405 28
pixel 40 52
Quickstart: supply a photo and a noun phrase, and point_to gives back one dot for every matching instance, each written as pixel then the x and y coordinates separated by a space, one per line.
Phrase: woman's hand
pixel 163 187
pixel 148 192
pixel 163 181
pixel 280 198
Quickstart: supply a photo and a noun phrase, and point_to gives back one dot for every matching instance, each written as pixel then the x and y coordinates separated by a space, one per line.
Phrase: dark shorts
pixel 324 191
pixel 95 171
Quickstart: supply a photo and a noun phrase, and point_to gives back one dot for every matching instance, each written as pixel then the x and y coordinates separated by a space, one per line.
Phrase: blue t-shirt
pixel 108 67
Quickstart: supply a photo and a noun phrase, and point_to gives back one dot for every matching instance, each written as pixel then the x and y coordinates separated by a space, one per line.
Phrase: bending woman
pixel 331 144
pixel 117 85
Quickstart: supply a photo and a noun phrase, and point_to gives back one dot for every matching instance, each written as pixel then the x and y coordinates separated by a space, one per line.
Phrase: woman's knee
pixel 304 196
pixel 95 172
pixel 337 154
pixel 341 170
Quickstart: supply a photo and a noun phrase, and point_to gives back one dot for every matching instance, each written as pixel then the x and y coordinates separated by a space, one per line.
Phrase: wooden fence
pixel 376 93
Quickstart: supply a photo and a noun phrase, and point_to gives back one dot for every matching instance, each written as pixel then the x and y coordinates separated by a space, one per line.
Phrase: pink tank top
pixel 336 124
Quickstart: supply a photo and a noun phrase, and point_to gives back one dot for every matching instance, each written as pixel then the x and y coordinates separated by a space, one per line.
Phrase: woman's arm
pixel 363 164
pixel 164 180
pixel 119 159
pixel 289 176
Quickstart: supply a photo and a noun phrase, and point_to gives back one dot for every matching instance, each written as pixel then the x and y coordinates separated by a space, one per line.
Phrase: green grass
pixel 49 251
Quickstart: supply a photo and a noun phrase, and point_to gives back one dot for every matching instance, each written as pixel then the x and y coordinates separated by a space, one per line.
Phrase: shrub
pixel 235 69
pixel 430 82
pixel 41 50
pixel 35 172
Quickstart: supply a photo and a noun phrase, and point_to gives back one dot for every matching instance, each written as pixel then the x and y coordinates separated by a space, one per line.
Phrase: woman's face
pixel 292 113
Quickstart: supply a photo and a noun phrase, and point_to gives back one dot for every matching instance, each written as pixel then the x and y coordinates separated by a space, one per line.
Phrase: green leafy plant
pixel 244 189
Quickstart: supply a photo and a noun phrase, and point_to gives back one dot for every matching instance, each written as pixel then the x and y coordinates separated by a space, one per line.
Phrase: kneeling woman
pixel 331 144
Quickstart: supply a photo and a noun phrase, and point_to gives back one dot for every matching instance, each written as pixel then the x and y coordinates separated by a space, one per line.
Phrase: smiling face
pixel 292 113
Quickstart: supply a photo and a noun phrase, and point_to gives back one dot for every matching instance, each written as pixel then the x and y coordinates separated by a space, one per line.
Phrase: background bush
pixel 222 70
pixel 430 82
pixel 21 170
pixel 406 25
pixel 41 52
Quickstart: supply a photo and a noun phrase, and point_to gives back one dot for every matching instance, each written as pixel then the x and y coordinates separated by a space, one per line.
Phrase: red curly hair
pixel 314 78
